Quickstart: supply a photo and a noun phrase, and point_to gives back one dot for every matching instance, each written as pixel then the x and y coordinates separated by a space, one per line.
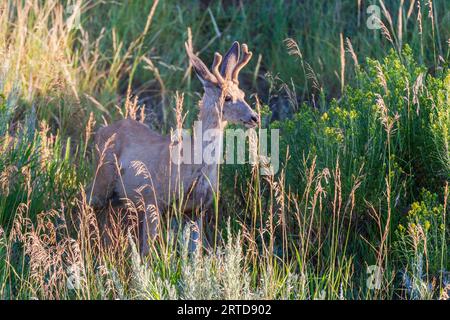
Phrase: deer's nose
pixel 254 118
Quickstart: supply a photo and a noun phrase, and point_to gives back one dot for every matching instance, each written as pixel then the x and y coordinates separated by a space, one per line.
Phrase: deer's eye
pixel 227 98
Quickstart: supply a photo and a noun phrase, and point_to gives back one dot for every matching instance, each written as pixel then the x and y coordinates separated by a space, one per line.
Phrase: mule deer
pixel 123 143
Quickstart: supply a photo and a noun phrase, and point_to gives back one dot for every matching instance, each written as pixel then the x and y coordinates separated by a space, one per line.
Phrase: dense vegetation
pixel 358 209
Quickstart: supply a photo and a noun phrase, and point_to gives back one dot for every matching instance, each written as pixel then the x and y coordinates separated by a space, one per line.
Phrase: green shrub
pixel 383 126
pixel 421 246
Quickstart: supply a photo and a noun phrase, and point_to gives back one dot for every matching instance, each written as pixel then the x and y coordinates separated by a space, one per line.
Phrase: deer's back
pixel 135 145
pixel 143 159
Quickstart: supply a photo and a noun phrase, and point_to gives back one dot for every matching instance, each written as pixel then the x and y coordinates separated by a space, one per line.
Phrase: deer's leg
pixel 149 228
pixel 101 189
pixel 212 235
pixel 197 235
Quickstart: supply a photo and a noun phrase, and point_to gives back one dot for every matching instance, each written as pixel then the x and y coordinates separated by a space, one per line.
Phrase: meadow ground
pixel 360 91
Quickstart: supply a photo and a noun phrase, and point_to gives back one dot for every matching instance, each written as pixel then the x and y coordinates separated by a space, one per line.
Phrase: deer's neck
pixel 212 128
pixel 210 115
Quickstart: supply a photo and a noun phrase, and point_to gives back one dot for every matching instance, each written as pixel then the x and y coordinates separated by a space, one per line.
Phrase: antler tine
pixel 215 67
pixel 246 58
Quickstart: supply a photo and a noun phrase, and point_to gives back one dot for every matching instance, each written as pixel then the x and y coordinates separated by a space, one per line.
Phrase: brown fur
pixel 124 143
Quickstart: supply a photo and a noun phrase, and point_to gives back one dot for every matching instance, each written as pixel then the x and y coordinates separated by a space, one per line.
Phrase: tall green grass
pixel 364 120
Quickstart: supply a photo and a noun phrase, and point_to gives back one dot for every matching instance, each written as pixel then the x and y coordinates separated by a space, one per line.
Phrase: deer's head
pixel 222 86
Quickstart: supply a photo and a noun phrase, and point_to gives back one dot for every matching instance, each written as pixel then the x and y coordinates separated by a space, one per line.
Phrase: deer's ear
pixel 202 71
pixel 230 60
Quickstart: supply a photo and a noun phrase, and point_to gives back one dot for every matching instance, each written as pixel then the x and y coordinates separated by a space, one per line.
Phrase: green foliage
pixel 422 245
pixel 425 231
pixel 440 124
pixel 37 167
pixel 384 126
pixel 353 161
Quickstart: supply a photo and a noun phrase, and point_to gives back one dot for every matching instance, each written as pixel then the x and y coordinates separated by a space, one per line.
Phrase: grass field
pixel 359 207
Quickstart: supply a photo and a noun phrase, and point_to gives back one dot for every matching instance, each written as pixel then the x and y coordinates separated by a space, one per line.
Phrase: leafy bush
pixel 421 246
pixel 383 127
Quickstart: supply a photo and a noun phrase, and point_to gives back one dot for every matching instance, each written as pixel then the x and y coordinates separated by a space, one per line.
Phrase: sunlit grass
pixel 350 194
